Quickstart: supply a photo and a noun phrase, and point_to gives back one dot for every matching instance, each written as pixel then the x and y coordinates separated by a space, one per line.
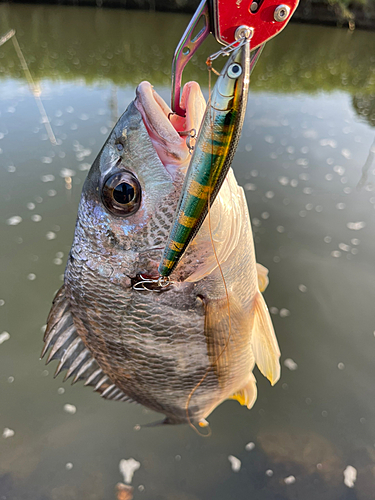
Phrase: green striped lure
pixel 213 153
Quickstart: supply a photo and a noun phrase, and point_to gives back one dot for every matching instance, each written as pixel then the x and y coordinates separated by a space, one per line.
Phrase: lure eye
pixel 121 194
pixel 234 70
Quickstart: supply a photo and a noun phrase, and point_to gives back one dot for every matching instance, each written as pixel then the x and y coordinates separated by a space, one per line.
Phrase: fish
pixel 182 350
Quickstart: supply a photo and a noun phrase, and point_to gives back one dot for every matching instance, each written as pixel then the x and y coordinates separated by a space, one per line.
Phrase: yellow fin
pixel 262 277
pixel 248 394
pixel 264 342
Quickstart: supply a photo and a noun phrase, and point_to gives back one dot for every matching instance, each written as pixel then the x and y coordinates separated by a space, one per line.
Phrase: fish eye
pixel 234 70
pixel 121 194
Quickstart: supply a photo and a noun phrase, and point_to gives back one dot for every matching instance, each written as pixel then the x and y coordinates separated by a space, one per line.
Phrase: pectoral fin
pixel 262 277
pixel 264 343
pixel 248 394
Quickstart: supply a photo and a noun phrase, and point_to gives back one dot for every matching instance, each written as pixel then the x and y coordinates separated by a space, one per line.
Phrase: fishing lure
pixel 213 153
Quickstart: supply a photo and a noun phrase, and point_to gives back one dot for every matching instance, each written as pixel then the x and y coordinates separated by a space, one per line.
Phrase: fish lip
pixel 151 105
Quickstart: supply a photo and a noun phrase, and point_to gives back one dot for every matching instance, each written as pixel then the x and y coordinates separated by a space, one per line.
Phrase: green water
pixel 307 162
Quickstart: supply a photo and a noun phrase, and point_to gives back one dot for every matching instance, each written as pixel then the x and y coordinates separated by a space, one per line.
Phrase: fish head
pixel 131 192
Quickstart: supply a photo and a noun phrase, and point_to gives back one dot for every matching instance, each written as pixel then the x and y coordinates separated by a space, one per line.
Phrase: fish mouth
pixel 165 128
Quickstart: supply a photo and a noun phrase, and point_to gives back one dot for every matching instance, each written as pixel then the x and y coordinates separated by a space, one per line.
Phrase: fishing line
pixel 210 68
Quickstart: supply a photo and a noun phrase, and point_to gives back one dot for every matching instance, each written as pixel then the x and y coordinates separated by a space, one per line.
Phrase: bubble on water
pixel 328 142
pixel 304 150
pixel 4 337
pixel 2 302
pixel 347 190
pixel 141 487
pixel 137 428
pixel 284 312
pixel 336 253
pixel 276 259
pixel 290 150
pixel 270 139
pixel 31 276
pixel 344 247
pixel 51 235
pixel 269 472
pixel 356 226
pixel 45 373
pixel 69 466
pixel 309 206
pixel 48 178
pixel 302 213
pixel 307 190
pixel 290 364
pixel 294 183
pixel 67 172
pixel 30 206
pixel 11 169
pixel 250 446
pixel 178 458
pixel 84 117
pixel 339 169
pixel 302 162
pixel 51 192
pixel 274 310
pixel 38 199
pixel 273 156
pixel 68 408
pixel 10 380
pixel 319 208
pixel 103 130
pixel 69 109
pixel 346 153
pixel 350 476
pixel 280 229
pixel 355 241
pixel 284 181
pixel 127 468
pixel 341 366
pixel 289 480
pixel 14 221
pixel 302 288
pixel 46 159
pixel 59 255
pixel 235 463
pixel 36 218
pixel 340 206
pixel 265 215
pixel 254 173
pixel 327 239
pixel 84 166
pixel 7 433
pixel 354 251
pixel 73 126
pixel 250 187
pixel 270 195
pixel 256 222
pixel 57 262
pixel 60 390
pixel 343 180
pixel 328 177
pixel 248 147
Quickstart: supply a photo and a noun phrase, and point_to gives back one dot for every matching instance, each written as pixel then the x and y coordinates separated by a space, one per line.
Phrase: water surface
pixel 306 161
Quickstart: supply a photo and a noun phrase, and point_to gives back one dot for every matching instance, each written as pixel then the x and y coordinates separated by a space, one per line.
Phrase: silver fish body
pixel 186 349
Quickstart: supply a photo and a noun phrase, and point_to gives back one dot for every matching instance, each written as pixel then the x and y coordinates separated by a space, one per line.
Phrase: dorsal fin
pixel 65 344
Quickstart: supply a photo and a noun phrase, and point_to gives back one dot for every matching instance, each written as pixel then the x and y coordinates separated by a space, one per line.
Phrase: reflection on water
pixel 307 137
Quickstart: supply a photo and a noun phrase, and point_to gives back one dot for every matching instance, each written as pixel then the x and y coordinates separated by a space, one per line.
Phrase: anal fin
pixel 262 277
pixel 264 343
pixel 248 394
